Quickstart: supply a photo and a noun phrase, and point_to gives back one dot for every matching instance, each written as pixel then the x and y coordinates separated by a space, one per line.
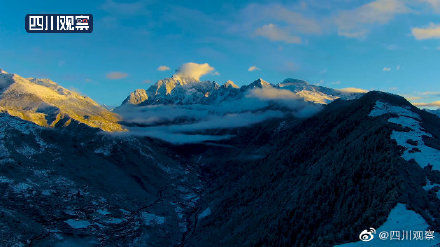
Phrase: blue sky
pixel 389 45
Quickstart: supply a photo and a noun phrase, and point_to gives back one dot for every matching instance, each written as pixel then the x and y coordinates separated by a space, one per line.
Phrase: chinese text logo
pixel 59 23
pixel 368 235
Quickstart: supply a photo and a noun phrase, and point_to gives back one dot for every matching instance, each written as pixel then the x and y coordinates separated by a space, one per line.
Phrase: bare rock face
pixel 137 97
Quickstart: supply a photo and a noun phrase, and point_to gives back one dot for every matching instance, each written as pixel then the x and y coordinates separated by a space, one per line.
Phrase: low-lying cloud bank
pixel 352 90
pixel 285 98
pixel 186 123
pixel 435 104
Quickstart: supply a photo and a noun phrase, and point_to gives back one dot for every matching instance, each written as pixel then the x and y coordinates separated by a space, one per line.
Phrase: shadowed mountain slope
pixel 317 182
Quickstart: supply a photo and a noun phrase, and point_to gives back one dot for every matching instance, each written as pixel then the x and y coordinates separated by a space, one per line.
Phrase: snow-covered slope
pixel 317 94
pixel 45 103
pixel 411 138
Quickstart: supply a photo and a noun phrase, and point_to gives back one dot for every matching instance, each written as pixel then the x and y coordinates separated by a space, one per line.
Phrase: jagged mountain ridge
pixel 176 91
pixel 45 103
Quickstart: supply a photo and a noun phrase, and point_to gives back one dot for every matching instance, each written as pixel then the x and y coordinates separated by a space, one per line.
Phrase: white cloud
pixel 230 120
pixel 386 69
pixel 273 33
pixel 431 93
pixel 398 67
pixel 253 68
pixel 292 17
pixel 116 75
pixel 117 8
pixel 412 98
pixel 430 32
pixel 428 98
pixel 160 120
pixel 352 90
pixel 164 134
pixel 296 20
pixel 291 21
pixel 272 93
pixel 193 71
pixel 430 104
pixel 435 4
pixel 356 23
pixel 286 98
pixel 163 68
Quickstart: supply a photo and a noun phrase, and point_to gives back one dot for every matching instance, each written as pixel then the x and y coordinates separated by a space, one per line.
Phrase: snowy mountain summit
pixel 230 83
pixel 180 90
pixel 259 83
pixel 45 103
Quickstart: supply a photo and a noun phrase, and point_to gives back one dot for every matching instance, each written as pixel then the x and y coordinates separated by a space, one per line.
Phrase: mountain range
pixel 287 164
pixel 174 90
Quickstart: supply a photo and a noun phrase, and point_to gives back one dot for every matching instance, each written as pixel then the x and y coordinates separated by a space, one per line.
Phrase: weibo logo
pixel 367 235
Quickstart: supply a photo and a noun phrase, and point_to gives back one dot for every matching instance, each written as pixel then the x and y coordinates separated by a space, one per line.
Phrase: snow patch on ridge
pixel 77 224
pixel 430 185
pixel 205 213
pixel 382 108
pixel 412 140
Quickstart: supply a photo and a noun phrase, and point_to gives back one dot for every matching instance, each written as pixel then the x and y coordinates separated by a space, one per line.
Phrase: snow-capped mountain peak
pixel 184 79
pixel 46 103
pixel 259 83
pixel 230 83
pixel 167 85
pixel 179 90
